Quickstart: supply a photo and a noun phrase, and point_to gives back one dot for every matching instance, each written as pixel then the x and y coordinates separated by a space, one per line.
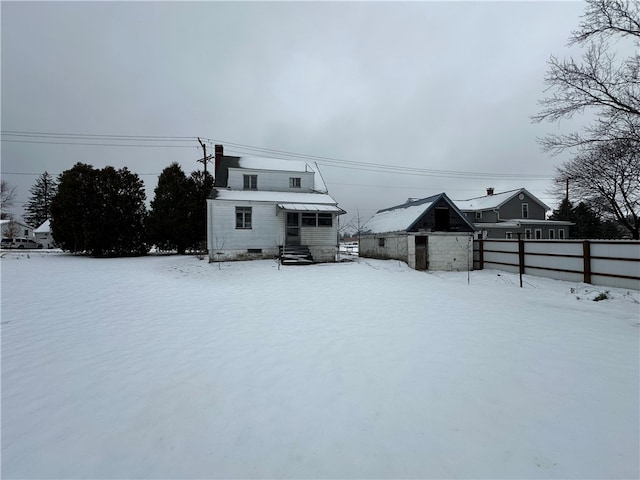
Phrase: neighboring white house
pixel 43 235
pixel 16 227
pixel 259 206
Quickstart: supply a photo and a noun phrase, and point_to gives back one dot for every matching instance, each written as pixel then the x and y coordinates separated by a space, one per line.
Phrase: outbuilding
pixel 428 234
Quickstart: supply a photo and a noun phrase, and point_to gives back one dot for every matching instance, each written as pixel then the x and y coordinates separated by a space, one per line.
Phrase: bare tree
pixel 607 176
pixel 7 197
pixel 11 230
pixel 599 83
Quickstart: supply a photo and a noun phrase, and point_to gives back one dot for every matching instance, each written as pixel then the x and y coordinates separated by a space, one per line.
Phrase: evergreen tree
pixel 168 223
pixel 100 212
pixel 587 224
pixel 38 208
pixel 200 185
pixel 73 208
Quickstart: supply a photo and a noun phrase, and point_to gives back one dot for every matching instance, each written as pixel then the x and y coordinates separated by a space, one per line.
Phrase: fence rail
pixel 614 263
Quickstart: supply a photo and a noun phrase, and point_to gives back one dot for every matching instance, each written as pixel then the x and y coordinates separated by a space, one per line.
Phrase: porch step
pixel 295 255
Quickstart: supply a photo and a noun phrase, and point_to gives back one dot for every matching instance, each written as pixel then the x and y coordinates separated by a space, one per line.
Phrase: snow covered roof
pixel 271 196
pixel 44 228
pixel 488 202
pixel 402 217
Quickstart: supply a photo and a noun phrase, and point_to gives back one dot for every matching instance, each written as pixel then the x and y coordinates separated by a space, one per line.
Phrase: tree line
pixel 102 212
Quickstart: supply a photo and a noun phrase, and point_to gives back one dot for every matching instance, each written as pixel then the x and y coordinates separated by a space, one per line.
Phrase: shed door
pixel 421 253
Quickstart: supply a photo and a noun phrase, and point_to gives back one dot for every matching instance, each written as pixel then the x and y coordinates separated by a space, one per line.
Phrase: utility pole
pixel 204 158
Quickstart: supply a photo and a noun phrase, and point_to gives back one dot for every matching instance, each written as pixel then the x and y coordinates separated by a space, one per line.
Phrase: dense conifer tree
pixel 169 219
pixel 38 208
pixel 100 212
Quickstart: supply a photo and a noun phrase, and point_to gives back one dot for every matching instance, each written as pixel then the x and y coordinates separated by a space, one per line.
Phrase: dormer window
pixel 295 182
pixel 525 210
pixel 250 182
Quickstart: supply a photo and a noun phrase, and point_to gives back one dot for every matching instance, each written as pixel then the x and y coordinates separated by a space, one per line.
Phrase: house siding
pixel 267 232
pixel 225 241
pixel 513 208
pixel 488 216
pixel 274 181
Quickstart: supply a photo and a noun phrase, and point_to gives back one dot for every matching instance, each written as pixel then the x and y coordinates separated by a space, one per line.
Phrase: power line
pixel 97 144
pixel 244 149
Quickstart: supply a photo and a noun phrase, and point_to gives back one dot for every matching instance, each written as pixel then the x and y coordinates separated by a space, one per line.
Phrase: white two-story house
pixel 263 207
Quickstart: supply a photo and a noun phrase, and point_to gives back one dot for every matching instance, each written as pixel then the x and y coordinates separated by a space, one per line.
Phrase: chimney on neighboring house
pixel 489 189
pixel 219 153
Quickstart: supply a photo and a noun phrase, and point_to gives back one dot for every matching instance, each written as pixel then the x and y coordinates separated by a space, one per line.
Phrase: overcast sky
pixel 444 86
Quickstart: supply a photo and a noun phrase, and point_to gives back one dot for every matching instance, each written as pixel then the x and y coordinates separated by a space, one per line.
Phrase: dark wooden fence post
pixel 480 254
pixel 521 256
pixel 586 260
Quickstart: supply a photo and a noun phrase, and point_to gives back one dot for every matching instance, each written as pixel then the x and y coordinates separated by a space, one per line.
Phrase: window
pixel 26 233
pixel 325 219
pixel 525 210
pixel 250 182
pixel 527 233
pixel 478 215
pixel 508 235
pixel 254 250
pixel 538 233
pixel 243 217
pixel 317 219
pixel 294 182
pixel 381 242
pixel 552 234
pixel 309 219
pixel 561 233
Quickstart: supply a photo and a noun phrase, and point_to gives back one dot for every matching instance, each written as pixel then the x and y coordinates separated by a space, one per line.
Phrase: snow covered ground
pixel 171 367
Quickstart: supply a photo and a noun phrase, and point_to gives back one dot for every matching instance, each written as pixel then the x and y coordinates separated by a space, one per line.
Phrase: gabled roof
pixel 402 218
pixel 266 163
pixel 489 202
pixel 44 228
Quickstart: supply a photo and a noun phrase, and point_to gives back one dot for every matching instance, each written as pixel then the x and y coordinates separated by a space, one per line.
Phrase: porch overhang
pixel 311 207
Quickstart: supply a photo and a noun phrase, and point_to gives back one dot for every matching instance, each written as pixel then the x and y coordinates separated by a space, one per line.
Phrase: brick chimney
pixel 219 153
pixel 489 189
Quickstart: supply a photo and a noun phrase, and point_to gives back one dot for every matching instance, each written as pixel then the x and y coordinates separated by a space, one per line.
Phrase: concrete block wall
pixel 450 251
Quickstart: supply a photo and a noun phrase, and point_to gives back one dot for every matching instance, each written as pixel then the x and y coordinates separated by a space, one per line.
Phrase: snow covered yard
pixel 169 367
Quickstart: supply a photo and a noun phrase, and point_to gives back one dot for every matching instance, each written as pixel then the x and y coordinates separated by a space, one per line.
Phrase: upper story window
pixel 250 182
pixel 527 233
pixel 508 235
pixel 525 210
pixel 295 182
pixel 478 215
pixel 561 233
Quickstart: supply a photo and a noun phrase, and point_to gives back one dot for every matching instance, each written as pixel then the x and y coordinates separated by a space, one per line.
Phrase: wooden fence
pixel 614 263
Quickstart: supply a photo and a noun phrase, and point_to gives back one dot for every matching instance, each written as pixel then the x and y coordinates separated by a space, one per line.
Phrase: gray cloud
pixel 437 85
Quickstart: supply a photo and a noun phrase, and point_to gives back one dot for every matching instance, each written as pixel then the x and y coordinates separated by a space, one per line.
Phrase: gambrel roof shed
pixel 435 213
